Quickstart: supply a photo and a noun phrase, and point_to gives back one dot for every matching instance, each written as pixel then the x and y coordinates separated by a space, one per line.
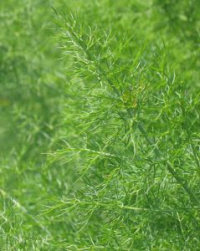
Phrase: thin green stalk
pixel 170 167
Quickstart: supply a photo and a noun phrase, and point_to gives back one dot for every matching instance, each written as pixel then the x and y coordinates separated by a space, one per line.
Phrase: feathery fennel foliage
pixel 106 154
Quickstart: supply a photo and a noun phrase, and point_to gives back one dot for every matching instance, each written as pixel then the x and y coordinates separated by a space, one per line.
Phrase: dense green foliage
pixel 99 125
